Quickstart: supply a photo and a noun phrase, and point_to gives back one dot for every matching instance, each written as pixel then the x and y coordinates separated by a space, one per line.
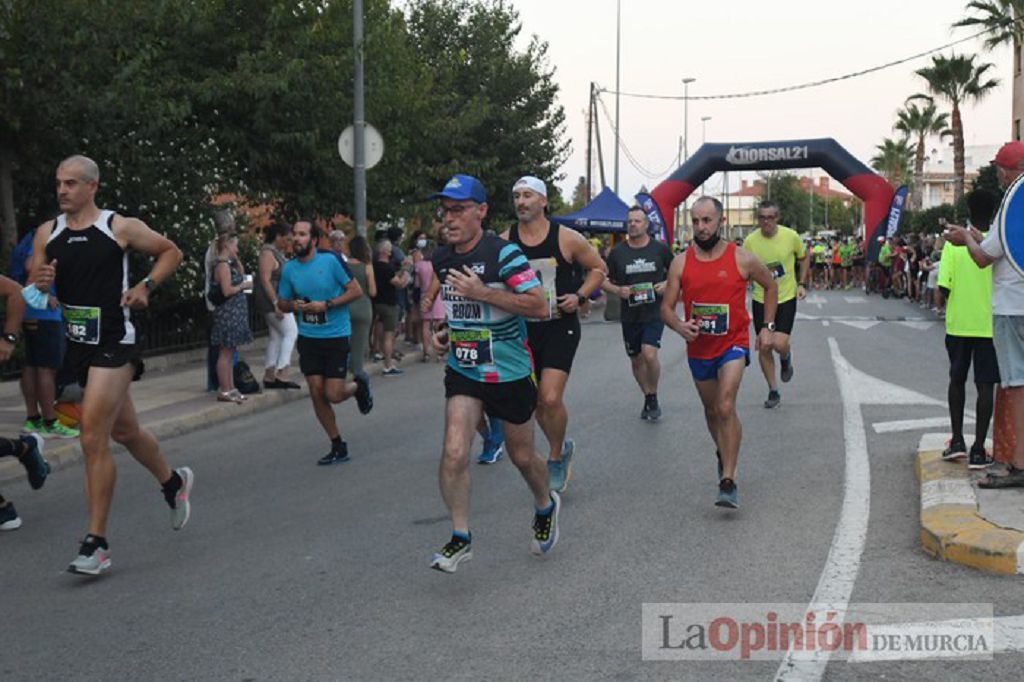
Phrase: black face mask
pixel 707 244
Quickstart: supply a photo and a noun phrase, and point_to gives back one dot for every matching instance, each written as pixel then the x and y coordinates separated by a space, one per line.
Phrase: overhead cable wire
pixel 629 155
pixel 801 86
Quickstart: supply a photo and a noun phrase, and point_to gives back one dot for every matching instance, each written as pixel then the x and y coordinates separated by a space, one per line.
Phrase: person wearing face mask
pixel 713 277
pixel 636 273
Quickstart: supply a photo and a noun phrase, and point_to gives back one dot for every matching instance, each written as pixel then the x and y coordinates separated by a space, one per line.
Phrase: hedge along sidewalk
pixel 982 529
pixel 169 403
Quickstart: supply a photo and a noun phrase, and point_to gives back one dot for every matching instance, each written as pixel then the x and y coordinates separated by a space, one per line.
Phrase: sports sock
pixel 172 484
pixel 546 511
pixel 96 540
pixel 336 443
pixel 50 422
pixel 462 536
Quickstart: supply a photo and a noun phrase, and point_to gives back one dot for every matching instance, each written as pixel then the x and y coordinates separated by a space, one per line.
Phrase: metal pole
pixel 590 140
pixel 686 128
pixel 359 124
pixel 810 201
pixel 618 46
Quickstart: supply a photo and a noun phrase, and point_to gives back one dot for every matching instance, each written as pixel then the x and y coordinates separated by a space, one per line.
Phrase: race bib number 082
pixel 82 324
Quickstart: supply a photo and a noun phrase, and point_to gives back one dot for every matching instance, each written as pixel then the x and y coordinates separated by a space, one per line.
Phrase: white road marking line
pixel 835 585
pixel 859 324
pixel 824 323
pixel 843 562
pixel 921 326
pixel 914 424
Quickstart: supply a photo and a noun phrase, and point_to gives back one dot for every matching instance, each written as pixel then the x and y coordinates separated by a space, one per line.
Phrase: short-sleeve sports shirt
pixel 779 254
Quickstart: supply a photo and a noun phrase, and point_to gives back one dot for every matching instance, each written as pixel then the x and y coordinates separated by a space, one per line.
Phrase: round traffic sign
pixel 374 146
pixel 1010 223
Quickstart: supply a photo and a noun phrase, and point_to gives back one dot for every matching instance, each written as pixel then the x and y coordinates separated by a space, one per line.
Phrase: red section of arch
pixel 668 195
pixel 876 193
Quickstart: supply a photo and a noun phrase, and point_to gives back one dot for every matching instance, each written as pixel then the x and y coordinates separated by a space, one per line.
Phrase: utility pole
pixel 359 122
pixel 590 139
pixel 618 50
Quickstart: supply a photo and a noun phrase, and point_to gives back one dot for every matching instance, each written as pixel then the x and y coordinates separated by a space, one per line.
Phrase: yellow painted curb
pixel 955 531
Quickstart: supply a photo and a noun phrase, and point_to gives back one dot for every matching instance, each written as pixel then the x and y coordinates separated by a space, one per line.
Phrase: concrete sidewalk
pixel 170 400
pixel 962 523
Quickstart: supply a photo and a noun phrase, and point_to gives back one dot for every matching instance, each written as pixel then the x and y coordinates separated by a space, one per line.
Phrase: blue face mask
pixel 35 298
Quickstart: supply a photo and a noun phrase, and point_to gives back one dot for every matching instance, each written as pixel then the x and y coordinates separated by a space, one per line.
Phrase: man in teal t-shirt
pixel 968 291
pixel 318 288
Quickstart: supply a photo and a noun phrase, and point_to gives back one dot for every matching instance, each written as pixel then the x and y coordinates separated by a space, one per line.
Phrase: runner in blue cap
pixel 488 288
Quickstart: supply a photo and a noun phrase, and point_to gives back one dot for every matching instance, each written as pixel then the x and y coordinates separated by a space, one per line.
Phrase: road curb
pixel 63 454
pixel 952 529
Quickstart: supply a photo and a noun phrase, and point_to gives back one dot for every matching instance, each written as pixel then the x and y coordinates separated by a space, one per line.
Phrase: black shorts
pixel 785 315
pixel 963 349
pixel 44 343
pixel 512 401
pixel 327 358
pixel 79 357
pixel 553 344
pixel 637 334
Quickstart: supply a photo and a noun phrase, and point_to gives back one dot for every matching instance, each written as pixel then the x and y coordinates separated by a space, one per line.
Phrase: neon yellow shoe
pixel 58 430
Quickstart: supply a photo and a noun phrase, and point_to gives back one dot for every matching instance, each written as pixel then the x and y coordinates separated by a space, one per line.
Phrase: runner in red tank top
pixel 712 279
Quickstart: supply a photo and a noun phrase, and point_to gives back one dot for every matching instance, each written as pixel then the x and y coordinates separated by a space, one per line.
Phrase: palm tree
pixel 1001 18
pixel 959 80
pixel 920 123
pixel 893 159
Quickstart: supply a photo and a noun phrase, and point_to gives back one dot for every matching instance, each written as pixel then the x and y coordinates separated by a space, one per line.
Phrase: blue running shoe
pixel 727 494
pixel 493 450
pixel 36 467
pixel 560 471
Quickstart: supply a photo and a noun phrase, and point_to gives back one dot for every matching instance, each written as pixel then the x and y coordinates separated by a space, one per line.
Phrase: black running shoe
pixel 955 450
pixel 364 395
pixel 646 412
pixel 653 409
pixel 786 374
pixel 36 467
pixel 979 459
pixel 774 398
pixel 335 456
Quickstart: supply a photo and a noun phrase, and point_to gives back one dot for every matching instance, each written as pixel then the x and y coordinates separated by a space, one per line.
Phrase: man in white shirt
pixel 1007 308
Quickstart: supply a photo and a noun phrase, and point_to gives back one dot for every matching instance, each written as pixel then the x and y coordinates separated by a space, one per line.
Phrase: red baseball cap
pixel 1010 156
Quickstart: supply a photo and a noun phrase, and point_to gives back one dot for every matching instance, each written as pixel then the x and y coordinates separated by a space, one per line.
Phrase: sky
pixel 744 45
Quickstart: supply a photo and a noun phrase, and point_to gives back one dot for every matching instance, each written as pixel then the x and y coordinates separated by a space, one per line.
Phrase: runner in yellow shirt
pixel 779 248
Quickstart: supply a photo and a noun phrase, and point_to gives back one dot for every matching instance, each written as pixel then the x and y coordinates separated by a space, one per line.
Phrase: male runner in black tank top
pixel 559 256
pixel 83 251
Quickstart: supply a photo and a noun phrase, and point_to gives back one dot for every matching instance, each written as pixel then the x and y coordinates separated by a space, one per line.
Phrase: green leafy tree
pixel 920 123
pixel 958 80
pixel 893 160
pixel 1001 18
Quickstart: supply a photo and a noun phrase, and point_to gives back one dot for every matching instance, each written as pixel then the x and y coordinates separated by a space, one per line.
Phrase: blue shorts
pixel 707 370
pixel 44 343
pixel 636 334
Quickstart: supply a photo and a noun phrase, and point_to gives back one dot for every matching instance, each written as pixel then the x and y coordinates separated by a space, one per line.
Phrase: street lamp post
pixel 686 136
pixel 704 128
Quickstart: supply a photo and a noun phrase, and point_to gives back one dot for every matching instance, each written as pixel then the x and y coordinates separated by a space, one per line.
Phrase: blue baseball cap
pixel 461 188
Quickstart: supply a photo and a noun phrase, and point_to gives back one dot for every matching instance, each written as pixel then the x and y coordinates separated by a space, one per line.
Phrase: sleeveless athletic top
pixel 92 274
pixel 715 293
pixel 487 344
pixel 557 275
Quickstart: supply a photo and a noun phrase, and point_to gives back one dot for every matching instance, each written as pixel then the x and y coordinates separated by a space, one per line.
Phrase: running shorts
pixel 785 316
pixel 327 358
pixel 707 369
pixel 964 351
pixel 553 344
pixel 637 334
pixel 513 401
pixel 44 343
pixel 79 357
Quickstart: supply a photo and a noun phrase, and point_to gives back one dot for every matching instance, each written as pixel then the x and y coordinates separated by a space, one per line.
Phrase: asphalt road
pixel 291 571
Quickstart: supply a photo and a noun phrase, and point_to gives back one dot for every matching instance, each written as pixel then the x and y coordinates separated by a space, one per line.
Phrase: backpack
pixel 245 382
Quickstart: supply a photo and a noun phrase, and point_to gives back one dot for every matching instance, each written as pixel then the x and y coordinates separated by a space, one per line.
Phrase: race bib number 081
pixel 712 318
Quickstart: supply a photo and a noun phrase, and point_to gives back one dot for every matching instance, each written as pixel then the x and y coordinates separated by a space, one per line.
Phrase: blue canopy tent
pixel 605 213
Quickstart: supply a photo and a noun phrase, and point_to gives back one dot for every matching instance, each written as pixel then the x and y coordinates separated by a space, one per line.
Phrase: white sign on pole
pixel 374 146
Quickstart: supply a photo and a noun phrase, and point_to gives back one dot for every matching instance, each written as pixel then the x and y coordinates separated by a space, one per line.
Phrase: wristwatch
pixel 10 338
pixel 580 300
pixel 770 326
pixel 150 283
